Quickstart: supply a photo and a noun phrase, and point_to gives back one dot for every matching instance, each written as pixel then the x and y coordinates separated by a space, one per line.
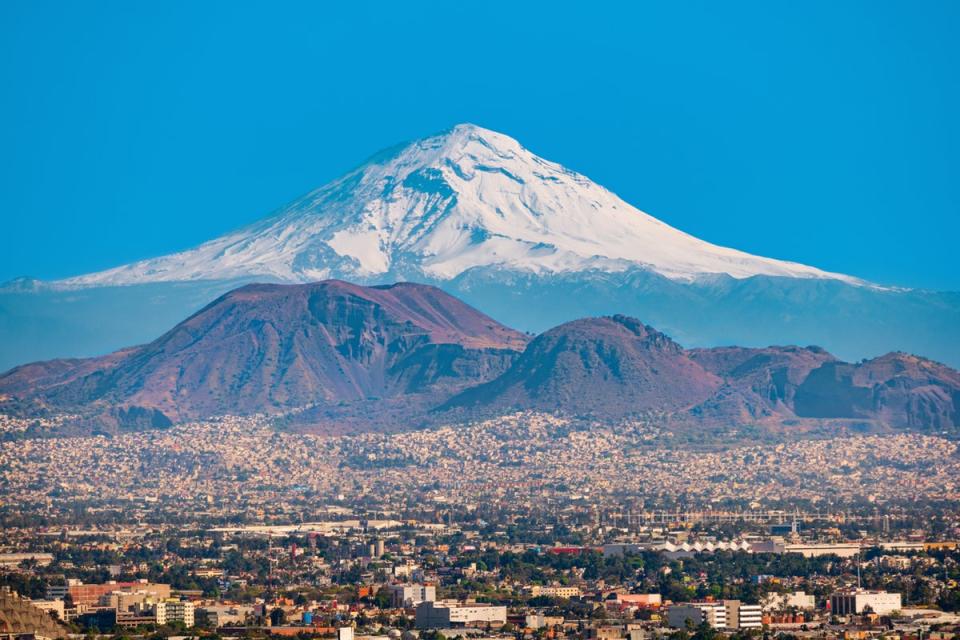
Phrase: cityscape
pixel 527 525
pixel 343 321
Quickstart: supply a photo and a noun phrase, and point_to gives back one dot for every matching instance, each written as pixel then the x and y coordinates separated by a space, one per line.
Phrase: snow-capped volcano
pixel 525 240
pixel 438 207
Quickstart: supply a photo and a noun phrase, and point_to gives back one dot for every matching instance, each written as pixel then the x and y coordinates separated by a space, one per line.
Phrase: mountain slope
pixel 853 322
pixel 616 368
pixel 272 348
pixel 759 383
pixel 341 357
pixel 898 388
pixel 441 206
pixel 606 366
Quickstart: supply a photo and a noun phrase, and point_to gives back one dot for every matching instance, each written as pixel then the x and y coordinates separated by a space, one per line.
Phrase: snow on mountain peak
pixel 437 207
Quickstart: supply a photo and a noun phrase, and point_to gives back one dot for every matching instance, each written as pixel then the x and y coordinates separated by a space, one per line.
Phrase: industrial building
pixel 847 603
pixel 451 613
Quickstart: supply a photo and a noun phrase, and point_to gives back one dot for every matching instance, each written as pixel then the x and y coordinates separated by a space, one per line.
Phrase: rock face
pixel 604 366
pixel 271 348
pixel 19 617
pixel 759 383
pixel 898 389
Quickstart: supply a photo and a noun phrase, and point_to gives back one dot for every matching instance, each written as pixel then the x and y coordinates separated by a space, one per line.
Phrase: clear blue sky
pixel 822 132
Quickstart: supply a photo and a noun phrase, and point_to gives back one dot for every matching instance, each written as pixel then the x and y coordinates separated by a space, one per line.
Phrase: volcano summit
pixel 432 210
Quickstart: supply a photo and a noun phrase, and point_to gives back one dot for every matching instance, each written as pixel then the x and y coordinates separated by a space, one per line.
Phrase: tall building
pixel 845 603
pixel 410 595
pixel 175 611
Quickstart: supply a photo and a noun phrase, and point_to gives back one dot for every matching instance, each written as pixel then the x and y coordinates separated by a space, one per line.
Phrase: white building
pixel 450 613
pixel 674 550
pixel 808 550
pixel 902 545
pixel 405 570
pixel 174 611
pixel 712 613
pixel 846 603
pixel 410 595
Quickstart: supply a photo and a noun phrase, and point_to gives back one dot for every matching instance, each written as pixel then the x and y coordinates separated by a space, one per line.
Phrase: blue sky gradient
pixel 821 132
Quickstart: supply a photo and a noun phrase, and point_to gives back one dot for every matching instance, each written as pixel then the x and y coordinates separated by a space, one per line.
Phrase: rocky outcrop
pixel 19 616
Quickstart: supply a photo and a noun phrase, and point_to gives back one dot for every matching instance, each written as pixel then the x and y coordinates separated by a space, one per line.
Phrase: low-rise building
pixel 555 591
pixel 649 600
pixel 845 603
pixel 445 614
pixel 14 560
pixel 698 613
pixel 540 621
pixel 213 616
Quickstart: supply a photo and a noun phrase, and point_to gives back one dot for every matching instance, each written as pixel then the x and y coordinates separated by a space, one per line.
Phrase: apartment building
pixel 174 611
pixel 698 613
pixel 743 616
pixel 410 595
